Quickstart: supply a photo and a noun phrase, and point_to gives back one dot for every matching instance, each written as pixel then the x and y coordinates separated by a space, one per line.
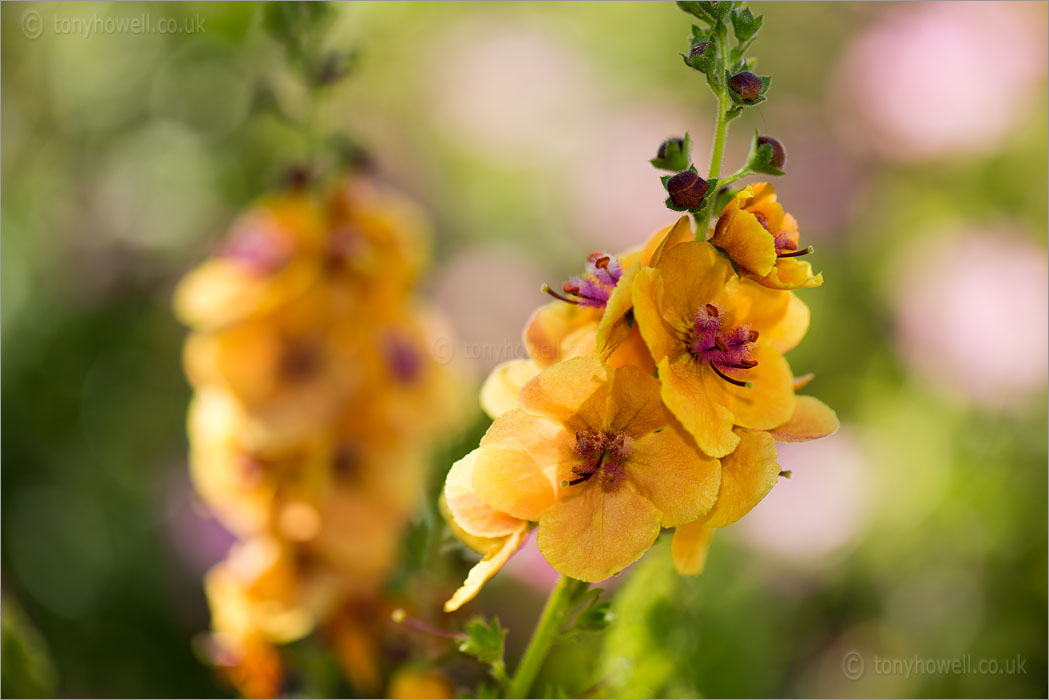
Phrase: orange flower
pixel 747 476
pixel 592 315
pixel 598 461
pixel 762 240
pixel 267 260
pixel 718 342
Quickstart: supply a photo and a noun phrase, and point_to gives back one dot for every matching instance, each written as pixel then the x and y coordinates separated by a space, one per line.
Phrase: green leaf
pixel 675 157
pixel 745 25
pixel 483 641
pixel 296 25
pixel 697 9
pixel 733 113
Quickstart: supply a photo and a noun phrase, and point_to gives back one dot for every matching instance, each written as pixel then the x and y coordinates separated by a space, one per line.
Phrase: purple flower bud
pixel 779 154
pixel 687 189
pixel 662 152
pixel 746 85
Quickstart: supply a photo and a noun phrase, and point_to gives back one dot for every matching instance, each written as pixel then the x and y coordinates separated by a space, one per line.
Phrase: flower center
pixel 593 287
pixel 603 454
pixel 785 246
pixel 260 245
pixel 402 357
pixel 722 347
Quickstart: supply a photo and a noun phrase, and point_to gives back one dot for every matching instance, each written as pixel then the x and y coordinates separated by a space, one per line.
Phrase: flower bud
pixel 697 50
pixel 746 85
pixel 779 154
pixel 662 152
pixel 687 189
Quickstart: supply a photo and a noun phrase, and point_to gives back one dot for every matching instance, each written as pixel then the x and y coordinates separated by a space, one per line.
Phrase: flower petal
pixel 668 469
pixel 648 314
pixel 521 463
pixel 634 404
pixel 573 392
pixel 689 548
pixel 686 395
pixel 694 273
pixel 502 386
pixel 486 569
pixel 768 402
pixel 745 240
pixel 665 239
pixel 468 510
pixel 788 333
pixel 595 533
pixel 747 475
pixel 790 273
pixel 613 327
pixel 550 325
pixel 812 420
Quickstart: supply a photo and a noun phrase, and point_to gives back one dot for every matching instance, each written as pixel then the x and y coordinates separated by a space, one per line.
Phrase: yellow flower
pixel 420 683
pixel 747 476
pixel 762 240
pixel 597 460
pixel 292 369
pixel 718 342
pixel 592 316
pixel 267 260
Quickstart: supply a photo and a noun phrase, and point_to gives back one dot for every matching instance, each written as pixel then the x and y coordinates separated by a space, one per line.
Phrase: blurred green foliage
pixel 124 157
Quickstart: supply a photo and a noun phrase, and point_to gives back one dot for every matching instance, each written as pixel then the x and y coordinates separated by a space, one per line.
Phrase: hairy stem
pixel 543 637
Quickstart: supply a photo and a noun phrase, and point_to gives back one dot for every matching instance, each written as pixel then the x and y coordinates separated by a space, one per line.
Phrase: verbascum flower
pixel 592 317
pixel 718 342
pixel 595 459
pixel 267 260
pixel 318 392
pixel 763 241
pixel 747 476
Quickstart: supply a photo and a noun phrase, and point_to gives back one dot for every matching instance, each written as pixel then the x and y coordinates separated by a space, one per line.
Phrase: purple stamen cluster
pixel 603 453
pixel 594 286
pixel 721 347
pixel 402 357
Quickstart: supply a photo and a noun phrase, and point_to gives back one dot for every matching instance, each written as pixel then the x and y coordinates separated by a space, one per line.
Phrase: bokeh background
pixel 916 135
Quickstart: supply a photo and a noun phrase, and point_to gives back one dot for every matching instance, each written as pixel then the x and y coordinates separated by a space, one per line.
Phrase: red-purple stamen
pixel 603 454
pixel 259 244
pixel 404 359
pixel 595 286
pixel 720 347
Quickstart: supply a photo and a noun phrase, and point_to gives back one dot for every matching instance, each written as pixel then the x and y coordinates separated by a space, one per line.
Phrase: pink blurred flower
pixel 971 310
pixel 945 78
pixel 819 509
pixel 510 90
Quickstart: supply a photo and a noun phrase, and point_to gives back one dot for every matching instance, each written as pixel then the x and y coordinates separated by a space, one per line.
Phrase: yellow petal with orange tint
pixel 470 512
pixel 634 404
pixel 788 333
pixel 689 548
pixel 745 241
pixel 648 315
pixel 550 325
pixel 521 463
pixel 573 392
pixel 595 533
pixel 790 273
pixel 658 245
pixel 694 274
pixel 502 386
pixel 486 569
pixel 685 393
pixel 768 402
pixel 613 328
pixel 812 420
pixel 668 469
pixel 747 475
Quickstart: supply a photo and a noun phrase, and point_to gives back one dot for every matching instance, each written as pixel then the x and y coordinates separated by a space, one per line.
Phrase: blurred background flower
pixel 915 137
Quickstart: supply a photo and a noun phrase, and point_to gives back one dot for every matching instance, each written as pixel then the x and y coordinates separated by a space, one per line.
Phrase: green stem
pixel 718 152
pixel 543 637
